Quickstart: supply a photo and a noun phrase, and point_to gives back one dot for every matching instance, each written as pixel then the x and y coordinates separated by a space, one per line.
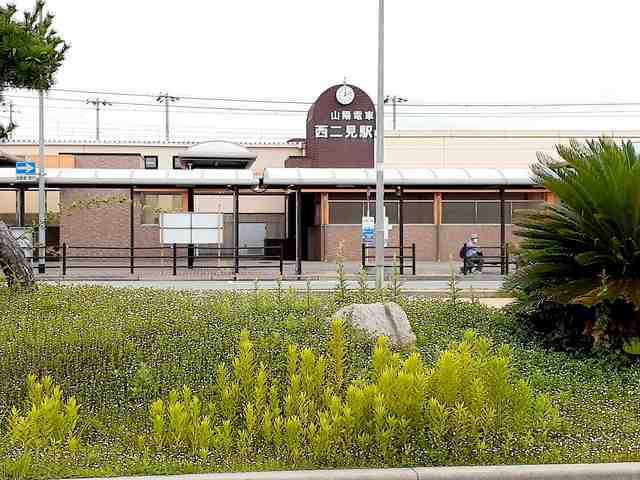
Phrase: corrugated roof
pixel 423 177
pixel 399 176
pixel 139 177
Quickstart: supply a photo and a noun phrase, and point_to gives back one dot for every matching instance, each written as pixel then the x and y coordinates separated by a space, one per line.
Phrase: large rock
pixel 380 319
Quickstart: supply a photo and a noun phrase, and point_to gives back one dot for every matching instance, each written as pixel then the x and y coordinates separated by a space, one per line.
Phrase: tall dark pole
pixel 131 230
pixel 502 233
pixel 401 225
pixel 190 208
pixel 236 230
pixel 298 232
pixel 20 207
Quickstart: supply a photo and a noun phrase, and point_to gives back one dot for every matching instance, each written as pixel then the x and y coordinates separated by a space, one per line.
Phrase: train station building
pixel 307 194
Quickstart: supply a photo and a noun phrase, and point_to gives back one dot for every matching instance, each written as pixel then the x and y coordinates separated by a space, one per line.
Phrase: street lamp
pixel 380 153
pixel 394 100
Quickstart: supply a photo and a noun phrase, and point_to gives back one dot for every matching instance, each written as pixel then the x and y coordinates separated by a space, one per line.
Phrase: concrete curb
pixel 599 471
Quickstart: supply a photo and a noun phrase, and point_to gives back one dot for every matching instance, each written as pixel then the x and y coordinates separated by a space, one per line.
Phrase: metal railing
pixel 132 261
pixel 401 257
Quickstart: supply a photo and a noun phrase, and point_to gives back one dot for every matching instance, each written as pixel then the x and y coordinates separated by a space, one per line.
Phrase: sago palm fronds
pixel 585 248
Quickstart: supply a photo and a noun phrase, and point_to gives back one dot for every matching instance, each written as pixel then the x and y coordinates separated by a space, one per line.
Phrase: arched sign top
pixel 341 127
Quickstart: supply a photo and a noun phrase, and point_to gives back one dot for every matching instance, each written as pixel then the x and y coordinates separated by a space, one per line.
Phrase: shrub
pixel 582 255
pixel 129 346
pixel 469 406
pixel 50 421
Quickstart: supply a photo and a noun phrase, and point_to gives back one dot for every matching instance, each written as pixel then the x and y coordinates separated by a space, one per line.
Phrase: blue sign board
pixel 25 169
pixel 368 231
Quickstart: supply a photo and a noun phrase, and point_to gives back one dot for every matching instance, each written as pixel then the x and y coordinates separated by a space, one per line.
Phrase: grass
pixel 117 350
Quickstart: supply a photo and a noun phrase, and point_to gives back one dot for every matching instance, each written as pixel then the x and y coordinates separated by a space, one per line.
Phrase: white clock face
pixel 345 95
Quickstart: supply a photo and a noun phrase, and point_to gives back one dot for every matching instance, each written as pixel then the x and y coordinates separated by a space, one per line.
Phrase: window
pixel 176 163
pixel 458 212
pixel 485 212
pixel 418 212
pixel 151 162
pixel 351 212
pixel 154 204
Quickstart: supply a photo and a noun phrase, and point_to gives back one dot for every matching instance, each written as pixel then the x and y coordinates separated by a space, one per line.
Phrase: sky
pixel 458 51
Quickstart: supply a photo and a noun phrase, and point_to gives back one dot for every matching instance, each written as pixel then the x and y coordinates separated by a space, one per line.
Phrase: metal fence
pixel 399 259
pixel 174 257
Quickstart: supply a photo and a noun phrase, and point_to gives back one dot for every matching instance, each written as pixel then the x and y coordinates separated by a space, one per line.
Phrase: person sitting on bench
pixel 472 255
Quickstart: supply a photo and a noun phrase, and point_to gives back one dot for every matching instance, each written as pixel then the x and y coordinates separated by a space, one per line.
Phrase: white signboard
pixel 191 228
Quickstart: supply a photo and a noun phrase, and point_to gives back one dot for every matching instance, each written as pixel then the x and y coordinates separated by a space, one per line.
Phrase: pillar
pixel 20 207
pixel 191 251
pixel 298 232
pixel 503 242
pixel 131 231
pixel 236 230
pixel 401 228
pixel 437 220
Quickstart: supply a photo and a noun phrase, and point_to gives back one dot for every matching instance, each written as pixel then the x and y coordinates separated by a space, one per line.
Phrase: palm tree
pixel 584 250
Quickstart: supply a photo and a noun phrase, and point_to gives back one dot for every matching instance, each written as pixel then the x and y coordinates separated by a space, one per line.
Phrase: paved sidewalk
pixel 162 270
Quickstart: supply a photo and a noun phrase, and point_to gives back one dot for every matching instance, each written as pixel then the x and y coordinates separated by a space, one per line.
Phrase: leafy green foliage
pixel 127 347
pixel 470 404
pixel 31 51
pixel 49 422
pixel 583 251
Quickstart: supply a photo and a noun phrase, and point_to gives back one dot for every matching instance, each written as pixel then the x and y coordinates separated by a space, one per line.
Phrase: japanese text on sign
pixel 349 131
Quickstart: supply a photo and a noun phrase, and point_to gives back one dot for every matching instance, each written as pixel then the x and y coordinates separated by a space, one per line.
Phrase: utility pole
pixel 394 100
pixel 97 102
pixel 42 203
pixel 380 154
pixel 166 99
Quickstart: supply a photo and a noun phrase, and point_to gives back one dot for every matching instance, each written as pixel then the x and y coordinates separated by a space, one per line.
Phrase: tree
pixel 581 256
pixel 31 51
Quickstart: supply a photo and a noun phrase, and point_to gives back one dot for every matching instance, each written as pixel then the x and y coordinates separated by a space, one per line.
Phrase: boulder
pixel 380 319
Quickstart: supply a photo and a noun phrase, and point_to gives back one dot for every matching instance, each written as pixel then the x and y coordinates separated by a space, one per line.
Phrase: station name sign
pixel 341 127
pixel 354 124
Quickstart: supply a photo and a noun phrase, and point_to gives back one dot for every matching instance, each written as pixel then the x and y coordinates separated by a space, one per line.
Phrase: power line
pixel 212 99
pixel 516 105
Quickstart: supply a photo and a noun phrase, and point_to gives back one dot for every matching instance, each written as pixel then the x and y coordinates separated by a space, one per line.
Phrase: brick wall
pixel 106 225
pixel 428 239
pixel 108 161
pixel 453 236
pixel 422 235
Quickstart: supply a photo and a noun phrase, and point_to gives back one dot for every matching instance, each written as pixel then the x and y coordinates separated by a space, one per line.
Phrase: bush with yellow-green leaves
pixel 469 405
pixel 272 385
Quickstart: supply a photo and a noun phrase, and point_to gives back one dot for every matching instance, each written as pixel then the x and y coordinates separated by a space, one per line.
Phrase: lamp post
pixel 394 100
pixel 380 153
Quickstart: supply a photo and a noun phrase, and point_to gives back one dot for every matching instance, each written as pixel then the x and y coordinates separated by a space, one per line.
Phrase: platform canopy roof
pixel 137 177
pixel 218 150
pixel 422 177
